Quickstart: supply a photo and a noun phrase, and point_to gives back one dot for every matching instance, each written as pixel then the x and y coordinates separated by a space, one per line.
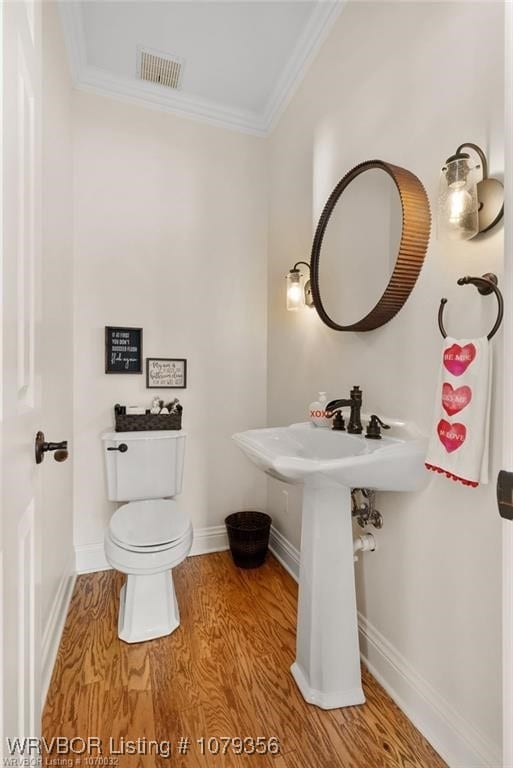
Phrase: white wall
pixel 407 83
pixel 57 314
pixel 170 235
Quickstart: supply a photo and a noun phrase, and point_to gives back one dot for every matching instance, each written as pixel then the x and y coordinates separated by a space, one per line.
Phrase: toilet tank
pixel 151 466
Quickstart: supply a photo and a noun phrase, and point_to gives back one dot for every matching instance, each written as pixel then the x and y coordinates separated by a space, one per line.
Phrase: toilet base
pixel 147 607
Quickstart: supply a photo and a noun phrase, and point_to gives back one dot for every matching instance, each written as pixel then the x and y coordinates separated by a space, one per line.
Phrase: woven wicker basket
pixel 248 534
pixel 129 422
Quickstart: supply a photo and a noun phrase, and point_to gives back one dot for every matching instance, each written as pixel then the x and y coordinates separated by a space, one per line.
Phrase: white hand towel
pixel 458 446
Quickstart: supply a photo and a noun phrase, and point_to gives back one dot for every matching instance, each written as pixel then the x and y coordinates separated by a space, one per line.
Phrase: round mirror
pixel 369 246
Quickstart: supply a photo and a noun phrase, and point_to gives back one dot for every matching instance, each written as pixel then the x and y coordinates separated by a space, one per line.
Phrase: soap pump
pixel 317 411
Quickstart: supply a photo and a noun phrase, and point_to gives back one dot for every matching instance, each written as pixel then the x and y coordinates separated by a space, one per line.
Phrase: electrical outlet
pixel 285 501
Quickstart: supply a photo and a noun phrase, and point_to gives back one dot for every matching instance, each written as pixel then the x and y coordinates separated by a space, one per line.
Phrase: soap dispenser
pixel 317 411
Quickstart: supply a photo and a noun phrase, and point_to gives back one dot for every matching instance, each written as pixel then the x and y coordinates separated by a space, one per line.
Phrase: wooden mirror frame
pixel 412 248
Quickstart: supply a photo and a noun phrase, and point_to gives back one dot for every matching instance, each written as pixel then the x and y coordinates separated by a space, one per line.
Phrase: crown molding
pixel 94 80
pixel 305 51
pixel 151 96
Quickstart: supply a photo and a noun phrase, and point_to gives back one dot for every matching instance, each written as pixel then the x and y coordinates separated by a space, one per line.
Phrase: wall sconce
pixel 298 295
pixel 467 206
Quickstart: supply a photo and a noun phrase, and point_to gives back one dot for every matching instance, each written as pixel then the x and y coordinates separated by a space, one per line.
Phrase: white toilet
pixel 149 535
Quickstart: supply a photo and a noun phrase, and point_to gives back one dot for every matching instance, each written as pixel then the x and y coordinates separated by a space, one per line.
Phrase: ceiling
pixel 242 59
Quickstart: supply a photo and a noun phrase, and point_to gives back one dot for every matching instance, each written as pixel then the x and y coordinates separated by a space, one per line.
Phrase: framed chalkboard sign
pixel 123 350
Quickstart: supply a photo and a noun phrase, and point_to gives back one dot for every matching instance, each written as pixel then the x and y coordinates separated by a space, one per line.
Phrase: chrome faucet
pixel 355 403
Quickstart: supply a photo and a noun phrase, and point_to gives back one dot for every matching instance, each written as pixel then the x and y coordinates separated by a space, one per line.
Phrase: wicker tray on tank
pixel 129 422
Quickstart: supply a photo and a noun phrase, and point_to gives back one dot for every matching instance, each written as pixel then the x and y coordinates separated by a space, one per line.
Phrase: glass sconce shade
pixel 299 294
pixel 458 206
pixel 295 290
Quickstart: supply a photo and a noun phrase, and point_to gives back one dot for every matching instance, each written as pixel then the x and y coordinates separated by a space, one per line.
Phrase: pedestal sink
pixel 329 464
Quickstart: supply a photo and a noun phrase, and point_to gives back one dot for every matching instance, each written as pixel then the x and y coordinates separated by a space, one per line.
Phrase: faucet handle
pixel 356 393
pixel 338 422
pixel 374 428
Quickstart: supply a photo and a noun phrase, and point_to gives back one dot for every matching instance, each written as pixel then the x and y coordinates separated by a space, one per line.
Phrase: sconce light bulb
pixel 459 203
pixel 294 297
pixel 295 291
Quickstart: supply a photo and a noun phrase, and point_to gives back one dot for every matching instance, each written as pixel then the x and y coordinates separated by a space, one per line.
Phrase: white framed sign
pixel 166 373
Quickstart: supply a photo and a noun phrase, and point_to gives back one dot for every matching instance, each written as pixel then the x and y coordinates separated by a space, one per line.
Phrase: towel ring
pixel 485 285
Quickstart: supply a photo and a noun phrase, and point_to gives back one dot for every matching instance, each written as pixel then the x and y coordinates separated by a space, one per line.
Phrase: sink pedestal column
pixel 327 666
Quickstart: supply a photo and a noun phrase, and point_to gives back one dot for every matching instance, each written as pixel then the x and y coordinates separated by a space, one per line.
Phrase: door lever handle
pixel 41 447
pixel 122 447
pixel 505 494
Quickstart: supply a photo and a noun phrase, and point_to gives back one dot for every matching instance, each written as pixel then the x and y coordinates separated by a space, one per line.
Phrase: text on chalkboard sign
pixel 123 350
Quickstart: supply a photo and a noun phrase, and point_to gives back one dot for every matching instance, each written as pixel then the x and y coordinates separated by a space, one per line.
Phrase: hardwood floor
pixel 224 672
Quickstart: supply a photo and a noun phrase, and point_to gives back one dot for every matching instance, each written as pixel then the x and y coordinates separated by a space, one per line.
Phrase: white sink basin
pixel 301 452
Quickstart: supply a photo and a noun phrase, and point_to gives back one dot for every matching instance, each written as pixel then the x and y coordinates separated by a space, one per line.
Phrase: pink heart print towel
pixel 458 447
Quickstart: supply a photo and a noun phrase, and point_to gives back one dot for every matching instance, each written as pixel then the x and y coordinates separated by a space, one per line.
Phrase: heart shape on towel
pixel 457 359
pixel 452 436
pixel 455 400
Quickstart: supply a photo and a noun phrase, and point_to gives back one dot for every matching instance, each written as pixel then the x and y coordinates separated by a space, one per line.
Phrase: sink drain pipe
pixel 364 543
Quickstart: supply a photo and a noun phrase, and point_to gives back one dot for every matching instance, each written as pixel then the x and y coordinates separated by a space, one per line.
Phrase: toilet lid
pixel 149 523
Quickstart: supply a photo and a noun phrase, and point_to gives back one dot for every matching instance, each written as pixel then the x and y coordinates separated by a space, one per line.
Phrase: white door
pixel 507 549
pixel 20 380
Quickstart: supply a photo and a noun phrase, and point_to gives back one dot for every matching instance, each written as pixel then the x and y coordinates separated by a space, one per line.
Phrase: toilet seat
pixel 129 560
pixel 149 526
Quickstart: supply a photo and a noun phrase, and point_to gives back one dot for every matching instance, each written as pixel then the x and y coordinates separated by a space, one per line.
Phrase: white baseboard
pixel 90 558
pixel 215 539
pixel 455 739
pixel 54 625
pixel 283 551
pixel 212 539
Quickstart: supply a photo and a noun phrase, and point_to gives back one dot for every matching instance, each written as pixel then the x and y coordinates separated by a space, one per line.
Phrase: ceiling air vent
pixel 160 68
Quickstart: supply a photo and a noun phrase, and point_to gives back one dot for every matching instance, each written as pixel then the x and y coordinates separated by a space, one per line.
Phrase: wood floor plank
pixel 223 673
pixel 101 650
